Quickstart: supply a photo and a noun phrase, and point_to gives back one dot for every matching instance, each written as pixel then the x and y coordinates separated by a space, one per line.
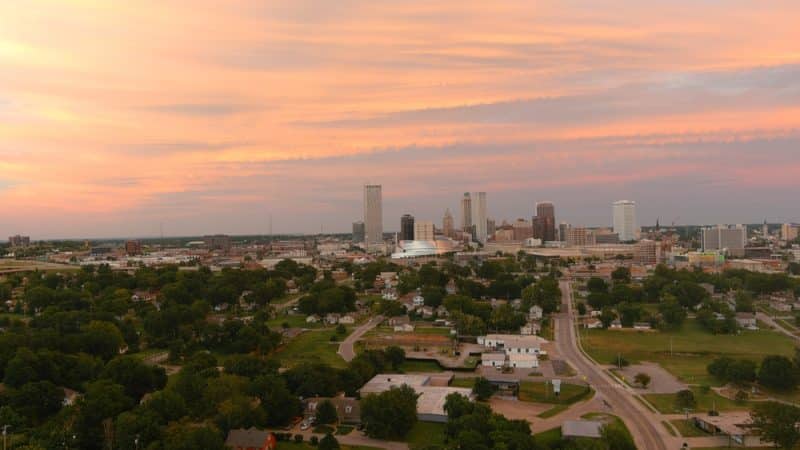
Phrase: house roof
pixel 250 437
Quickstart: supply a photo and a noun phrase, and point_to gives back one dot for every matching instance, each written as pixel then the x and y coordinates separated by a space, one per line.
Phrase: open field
pixel 692 346
pixel 538 392
pixel 665 403
pixel 312 346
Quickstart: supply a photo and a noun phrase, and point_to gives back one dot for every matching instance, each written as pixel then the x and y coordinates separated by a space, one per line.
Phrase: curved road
pixel 346 349
pixel 647 431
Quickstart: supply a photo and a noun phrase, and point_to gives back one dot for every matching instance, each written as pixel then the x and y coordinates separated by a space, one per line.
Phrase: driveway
pixel 346 348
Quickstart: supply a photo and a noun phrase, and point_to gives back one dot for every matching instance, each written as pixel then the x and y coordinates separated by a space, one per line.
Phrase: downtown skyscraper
pixel 466 213
pixel 373 214
pixel 544 224
pixel 479 216
pixel 625 220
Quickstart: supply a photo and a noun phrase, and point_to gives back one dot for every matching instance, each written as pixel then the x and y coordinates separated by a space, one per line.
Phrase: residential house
pixel 348 409
pixel 451 288
pixel 251 439
pixel 419 300
pixel 535 312
pixel 616 324
pixel 780 306
pixel 427 312
pixel 592 323
pixel 313 319
pixel 332 318
pixel 642 326
pixel 530 328
pixel 347 319
pixel 441 311
pixel 389 294
pixel 747 320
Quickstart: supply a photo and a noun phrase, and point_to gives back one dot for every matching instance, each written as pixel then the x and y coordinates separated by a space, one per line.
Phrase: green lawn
pixel 692 346
pixel 425 434
pixel 687 428
pixel 539 392
pixel 312 346
pixel 549 438
pixel 420 366
pixel 665 403
pixel 293 320
pixel 463 382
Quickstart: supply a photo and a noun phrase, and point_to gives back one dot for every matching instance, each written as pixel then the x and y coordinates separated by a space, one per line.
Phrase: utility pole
pixel 5 433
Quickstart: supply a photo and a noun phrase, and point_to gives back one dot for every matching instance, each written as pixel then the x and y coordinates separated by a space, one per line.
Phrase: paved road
pixel 647 431
pixel 774 324
pixel 346 349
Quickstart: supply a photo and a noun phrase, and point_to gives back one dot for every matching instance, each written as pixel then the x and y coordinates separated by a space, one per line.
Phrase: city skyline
pixel 109 130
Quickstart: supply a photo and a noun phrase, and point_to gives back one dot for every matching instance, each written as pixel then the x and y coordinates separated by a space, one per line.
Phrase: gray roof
pixel 581 428
pixel 250 437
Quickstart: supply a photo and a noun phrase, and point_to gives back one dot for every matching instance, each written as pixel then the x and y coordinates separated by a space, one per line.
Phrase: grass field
pixel 687 429
pixel 537 392
pixel 665 403
pixel 692 346
pixel 425 434
pixel 312 346
pixel 420 366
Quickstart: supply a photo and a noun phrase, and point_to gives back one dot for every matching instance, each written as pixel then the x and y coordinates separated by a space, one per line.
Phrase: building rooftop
pixel 581 429
pixel 432 389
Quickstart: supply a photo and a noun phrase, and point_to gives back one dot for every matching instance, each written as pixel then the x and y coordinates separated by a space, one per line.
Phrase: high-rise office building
pixel 544 224
pixel 19 241
pixel 218 242
pixel 522 230
pixel 789 231
pixel 424 231
pixel 580 236
pixel 447 224
pixel 625 220
pixel 133 247
pixel 358 232
pixel 562 231
pixel 723 237
pixel 479 216
pixel 491 227
pixel 466 213
pixel 407 227
pixel 373 214
pixel 647 252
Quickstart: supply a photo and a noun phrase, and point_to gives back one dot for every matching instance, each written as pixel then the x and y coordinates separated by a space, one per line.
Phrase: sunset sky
pixel 208 116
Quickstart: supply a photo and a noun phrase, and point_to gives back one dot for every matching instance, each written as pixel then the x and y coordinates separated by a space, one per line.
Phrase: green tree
pixel 390 414
pixel 328 442
pixel 326 413
pixel 137 377
pixel 642 379
pixel 685 400
pixel 777 422
pixel 102 338
pixel 483 389
pixel 777 372
pixel 616 437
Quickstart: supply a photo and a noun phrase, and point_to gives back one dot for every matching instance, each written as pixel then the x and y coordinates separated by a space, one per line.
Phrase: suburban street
pixel 645 428
pixel 346 348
